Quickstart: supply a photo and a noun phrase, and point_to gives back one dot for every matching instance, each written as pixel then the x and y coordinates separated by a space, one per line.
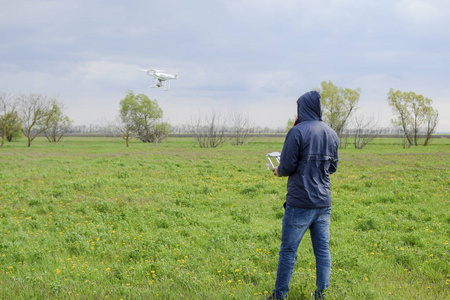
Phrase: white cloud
pixel 108 73
pixel 260 55
pixel 424 12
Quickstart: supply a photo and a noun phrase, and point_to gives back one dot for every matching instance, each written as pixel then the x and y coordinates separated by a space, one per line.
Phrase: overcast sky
pixel 255 57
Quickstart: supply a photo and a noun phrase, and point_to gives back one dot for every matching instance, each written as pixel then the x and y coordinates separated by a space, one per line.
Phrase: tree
pixel 9 122
pixel 208 130
pixel 122 129
pixel 241 127
pixel 14 127
pixel 36 112
pixel 290 123
pixel 366 129
pixel 338 104
pixel 413 114
pixel 161 131
pixel 59 124
pixel 399 105
pixel 431 119
pixel 142 116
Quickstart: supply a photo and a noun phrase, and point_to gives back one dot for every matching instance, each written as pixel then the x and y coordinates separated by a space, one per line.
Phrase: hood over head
pixel 309 108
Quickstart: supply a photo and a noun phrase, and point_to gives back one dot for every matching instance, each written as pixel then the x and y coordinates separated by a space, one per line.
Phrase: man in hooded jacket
pixel 309 156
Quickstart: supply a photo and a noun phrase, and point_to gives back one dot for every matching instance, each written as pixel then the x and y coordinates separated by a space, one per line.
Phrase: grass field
pixel 88 218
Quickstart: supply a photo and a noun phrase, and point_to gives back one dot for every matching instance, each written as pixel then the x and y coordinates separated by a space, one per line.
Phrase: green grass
pixel 88 218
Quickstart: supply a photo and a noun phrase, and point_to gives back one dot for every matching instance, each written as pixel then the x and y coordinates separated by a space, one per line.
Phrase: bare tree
pixel 36 112
pixel 122 128
pixel 208 131
pixel 366 129
pixel 241 127
pixel 161 131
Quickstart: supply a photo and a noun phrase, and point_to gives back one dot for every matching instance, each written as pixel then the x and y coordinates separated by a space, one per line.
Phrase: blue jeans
pixel 295 223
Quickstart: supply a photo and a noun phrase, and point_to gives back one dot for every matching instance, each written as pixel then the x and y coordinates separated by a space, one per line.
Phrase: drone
pixel 160 78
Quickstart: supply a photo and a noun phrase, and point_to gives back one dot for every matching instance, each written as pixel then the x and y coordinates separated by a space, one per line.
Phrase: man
pixel 309 156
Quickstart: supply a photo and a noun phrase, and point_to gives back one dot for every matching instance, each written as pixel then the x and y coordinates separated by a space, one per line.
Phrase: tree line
pixel 31 115
pixel 414 116
pixel 141 118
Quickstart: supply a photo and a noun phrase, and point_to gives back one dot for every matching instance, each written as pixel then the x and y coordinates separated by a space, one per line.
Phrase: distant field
pixel 88 218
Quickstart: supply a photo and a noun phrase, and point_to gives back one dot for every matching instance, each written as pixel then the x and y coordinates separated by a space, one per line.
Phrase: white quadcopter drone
pixel 160 78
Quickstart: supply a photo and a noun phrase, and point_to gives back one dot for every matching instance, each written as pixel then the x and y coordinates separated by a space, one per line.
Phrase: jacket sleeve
pixel 290 155
pixel 333 165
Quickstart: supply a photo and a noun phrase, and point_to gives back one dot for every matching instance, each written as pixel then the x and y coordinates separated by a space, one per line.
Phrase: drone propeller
pixel 152 70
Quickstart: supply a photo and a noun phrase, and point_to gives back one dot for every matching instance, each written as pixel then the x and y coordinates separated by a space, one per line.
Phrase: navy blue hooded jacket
pixel 309 156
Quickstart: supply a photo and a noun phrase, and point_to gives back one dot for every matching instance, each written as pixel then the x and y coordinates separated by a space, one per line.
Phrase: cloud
pixel 424 13
pixel 256 54
pixel 107 73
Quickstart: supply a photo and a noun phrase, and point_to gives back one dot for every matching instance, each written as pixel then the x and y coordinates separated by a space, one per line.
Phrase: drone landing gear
pixel 166 85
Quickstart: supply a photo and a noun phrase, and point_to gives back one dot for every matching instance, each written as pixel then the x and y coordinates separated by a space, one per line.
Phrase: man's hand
pixel 275 172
